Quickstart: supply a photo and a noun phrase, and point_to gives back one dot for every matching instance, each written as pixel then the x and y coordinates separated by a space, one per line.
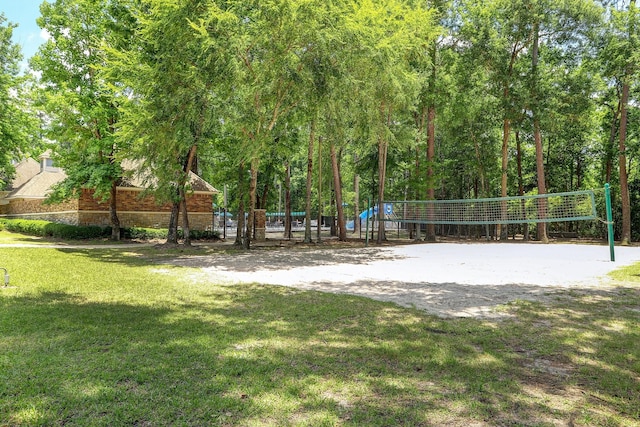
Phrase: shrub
pixel 26 226
pixel 52 229
pixel 201 234
pixel 65 231
pixel 75 232
pixel 140 233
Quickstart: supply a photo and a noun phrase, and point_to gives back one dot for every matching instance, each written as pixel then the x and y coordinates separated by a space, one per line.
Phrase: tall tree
pixel 628 72
pixel 268 42
pixel 79 102
pixel 429 65
pixel 537 137
pixel 386 34
pixel 16 126
pixel 500 33
pixel 309 182
pixel 169 119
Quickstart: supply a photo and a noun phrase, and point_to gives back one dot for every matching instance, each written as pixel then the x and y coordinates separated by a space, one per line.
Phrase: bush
pixel 71 232
pixel 76 232
pixel 26 226
pixel 53 229
pixel 201 234
pixel 140 233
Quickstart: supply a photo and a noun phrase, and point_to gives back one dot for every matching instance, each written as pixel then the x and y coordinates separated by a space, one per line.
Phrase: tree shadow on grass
pixel 285 259
pixel 243 261
pixel 260 355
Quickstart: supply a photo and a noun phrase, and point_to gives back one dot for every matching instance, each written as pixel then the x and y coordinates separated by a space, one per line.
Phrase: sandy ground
pixel 445 279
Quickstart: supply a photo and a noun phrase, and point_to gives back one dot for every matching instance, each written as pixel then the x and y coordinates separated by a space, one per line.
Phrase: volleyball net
pixel 555 207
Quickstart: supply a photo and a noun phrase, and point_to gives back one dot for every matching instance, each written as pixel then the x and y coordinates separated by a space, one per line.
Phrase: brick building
pixel 28 191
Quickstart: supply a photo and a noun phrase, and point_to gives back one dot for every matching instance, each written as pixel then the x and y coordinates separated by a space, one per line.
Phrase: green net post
pixel 607 198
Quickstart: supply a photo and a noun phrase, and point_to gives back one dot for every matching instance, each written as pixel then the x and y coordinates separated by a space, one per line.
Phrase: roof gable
pixel 33 181
pixel 25 170
pixel 39 186
pixel 137 176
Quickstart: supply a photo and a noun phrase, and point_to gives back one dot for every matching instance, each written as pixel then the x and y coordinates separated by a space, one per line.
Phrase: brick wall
pixel 35 206
pixel 65 213
pixel 67 217
pixel 197 221
pixel 130 200
pixel 133 211
pixel 136 211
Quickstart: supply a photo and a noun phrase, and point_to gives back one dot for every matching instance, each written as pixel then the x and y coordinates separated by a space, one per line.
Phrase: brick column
pixel 260 222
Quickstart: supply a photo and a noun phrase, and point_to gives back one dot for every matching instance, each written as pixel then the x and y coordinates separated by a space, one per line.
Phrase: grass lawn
pixel 109 337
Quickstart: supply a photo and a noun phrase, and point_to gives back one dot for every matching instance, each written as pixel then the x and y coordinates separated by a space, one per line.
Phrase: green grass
pixel 111 337
pixel 7 237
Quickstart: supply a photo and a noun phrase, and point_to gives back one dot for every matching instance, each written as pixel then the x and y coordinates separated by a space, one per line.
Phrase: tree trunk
pixel 542 188
pixel 622 149
pixel 383 148
pixel 537 137
pixel 239 242
pixel 261 202
pixel 253 184
pixel 333 232
pixel 483 179
pixel 185 218
pixel 307 208
pixel 431 144
pixel 356 204
pixel 520 184
pixel 113 213
pixel 241 197
pixel 342 231
pixel 382 169
pixel 287 202
pixel 431 153
pixel 622 163
pixel 506 127
pixel 180 196
pixel 420 119
pixel 610 147
pixel 191 156
pixel 172 234
pixel 506 131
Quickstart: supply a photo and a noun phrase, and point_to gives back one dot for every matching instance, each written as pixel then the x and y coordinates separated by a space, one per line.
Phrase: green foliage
pixel 182 104
pixel 31 227
pixel 201 234
pixel 78 101
pixel 55 230
pixel 18 123
pixel 139 233
pixel 73 232
pixel 243 80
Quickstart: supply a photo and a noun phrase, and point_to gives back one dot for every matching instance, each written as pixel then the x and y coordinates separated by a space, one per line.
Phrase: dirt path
pixel 445 279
